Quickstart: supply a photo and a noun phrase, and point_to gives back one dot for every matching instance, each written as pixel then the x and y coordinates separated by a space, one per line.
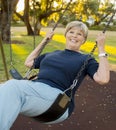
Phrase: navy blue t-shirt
pixel 59 68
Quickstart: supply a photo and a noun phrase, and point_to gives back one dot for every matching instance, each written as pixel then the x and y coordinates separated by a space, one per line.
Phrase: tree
pixel 83 9
pixel 41 12
pixel 104 11
pixel 25 17
pixel 86 9
pixel 7 9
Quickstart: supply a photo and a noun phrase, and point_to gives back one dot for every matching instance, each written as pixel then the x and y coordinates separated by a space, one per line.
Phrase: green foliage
pixel 46 10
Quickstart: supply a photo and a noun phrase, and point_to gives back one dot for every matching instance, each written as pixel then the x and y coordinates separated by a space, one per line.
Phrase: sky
pixel 20 5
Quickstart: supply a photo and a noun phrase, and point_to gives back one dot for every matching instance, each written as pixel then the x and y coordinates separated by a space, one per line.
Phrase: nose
pixel 74 34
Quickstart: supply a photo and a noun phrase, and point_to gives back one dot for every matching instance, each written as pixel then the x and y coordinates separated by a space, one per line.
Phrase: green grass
pixel 23 45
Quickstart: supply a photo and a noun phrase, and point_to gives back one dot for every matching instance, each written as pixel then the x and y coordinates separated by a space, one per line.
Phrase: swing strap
pixel 56 110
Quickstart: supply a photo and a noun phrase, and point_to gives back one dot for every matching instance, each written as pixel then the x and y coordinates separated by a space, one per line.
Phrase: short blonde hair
pixel 78 24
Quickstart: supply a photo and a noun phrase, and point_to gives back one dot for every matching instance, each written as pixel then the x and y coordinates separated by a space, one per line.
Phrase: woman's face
pixel 74 39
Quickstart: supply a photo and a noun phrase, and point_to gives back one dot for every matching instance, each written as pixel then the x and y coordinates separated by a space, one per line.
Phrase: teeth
pixel 73 41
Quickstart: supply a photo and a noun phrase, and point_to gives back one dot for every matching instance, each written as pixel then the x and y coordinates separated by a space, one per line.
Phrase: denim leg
pixel 26 97
pixel 10 104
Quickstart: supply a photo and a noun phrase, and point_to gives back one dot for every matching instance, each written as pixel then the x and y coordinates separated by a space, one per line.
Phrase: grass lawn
pixel 23 45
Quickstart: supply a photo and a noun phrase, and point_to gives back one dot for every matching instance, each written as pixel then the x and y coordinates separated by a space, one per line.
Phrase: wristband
pixel 103 55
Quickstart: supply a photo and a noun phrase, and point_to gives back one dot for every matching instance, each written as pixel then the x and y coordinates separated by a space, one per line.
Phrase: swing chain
pixel 62 15
pixel 82 68
pixel 75 81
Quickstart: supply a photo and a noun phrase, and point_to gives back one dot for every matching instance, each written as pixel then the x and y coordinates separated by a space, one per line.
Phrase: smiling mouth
pixel 73 41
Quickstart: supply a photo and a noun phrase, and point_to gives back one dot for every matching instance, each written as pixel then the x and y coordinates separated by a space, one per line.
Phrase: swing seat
pixel 15 74
pixel 56 110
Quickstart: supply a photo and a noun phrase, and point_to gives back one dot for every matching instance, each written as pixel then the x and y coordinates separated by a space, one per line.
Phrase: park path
pixel 61 30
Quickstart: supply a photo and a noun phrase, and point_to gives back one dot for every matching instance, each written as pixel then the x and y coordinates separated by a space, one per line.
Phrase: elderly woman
pixel 57 71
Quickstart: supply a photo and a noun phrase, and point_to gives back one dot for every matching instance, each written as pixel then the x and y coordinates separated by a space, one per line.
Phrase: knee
pixel 11 84
pixel 10 87
pixel 11 81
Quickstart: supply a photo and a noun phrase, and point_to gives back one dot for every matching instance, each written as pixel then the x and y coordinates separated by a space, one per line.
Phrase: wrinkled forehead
pixel 76 28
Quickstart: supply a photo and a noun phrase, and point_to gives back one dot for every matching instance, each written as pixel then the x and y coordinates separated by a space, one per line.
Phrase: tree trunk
pixel 37 28
pixel 26 18
pixel 29 28
pixel 7 8
pixel 5 21
pixel 5 27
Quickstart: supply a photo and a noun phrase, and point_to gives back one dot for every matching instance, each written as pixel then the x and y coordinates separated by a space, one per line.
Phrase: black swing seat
pixel 15 74
pixel 56 110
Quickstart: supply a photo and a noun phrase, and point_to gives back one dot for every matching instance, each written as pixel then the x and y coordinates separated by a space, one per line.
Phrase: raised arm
pixel 30 59
pixel 102 75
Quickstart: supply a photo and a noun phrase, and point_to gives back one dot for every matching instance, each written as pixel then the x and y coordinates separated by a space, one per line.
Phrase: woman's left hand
pixel 101 42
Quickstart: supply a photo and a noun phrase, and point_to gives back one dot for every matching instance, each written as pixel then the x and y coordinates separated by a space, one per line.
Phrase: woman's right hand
pixel 49 35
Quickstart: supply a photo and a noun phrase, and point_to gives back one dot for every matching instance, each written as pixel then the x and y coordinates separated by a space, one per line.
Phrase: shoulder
pixel 87 57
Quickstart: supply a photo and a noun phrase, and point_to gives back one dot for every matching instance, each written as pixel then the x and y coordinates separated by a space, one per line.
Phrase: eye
pixel 79 34
pixel 71 32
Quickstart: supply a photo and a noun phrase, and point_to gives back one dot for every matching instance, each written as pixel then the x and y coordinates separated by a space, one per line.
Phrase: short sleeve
pixel 37 61
pixel 92 67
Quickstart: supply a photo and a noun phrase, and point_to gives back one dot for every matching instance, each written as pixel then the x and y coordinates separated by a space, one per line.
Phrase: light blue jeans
pixel 26 97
